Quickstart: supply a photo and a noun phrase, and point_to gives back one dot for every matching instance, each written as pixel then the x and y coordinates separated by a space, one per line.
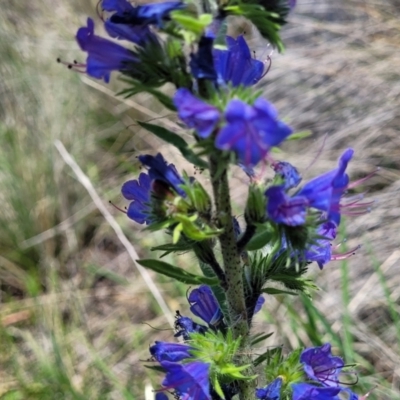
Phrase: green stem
pixel 232 266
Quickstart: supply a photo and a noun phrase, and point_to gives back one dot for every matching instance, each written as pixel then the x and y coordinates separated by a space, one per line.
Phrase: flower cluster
pixel 323 369
pixel 286 226
pixel 190 368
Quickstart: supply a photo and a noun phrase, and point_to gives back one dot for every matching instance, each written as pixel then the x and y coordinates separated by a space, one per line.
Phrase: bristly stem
pixel 232 265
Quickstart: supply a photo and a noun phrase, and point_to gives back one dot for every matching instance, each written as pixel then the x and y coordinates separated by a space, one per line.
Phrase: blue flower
pixel 139 34
pixel 304 391
pixel 236 65
pixel 322 193
pixel 161 396
pixel 251 131
pixel 321 252
pixel 321 366
pixel 158 169
pixel 164 351
pixel 185 326
pixel 270 392
pixel 189 381
pixel 202 62
pixel 148 14
pixel 139 192
pixel 288 173
pixel 339 186
pixel 195 113
pixel 259 304
pixel 104 56
pixel 283 209
pixel 204 305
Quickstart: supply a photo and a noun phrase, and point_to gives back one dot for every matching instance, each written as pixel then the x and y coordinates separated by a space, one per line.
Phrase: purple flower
pixel 195 113
pixel 321 252
pixel 161 396
pixel 321 366
pixel 339 186
pixel 164 351
pixel 289 174
pixel 202 62
pixel 322 193
pixel 189 381
pixel 160 170
pixel 204 305
pixel 138 34
pixel 139 192
pixel 104 56
pixel 148 14
pixel 251 131
pixel 185 326
pixel 304 391
pixel 236 65
pixel 270 392
pixel 283 209
pixel 259 304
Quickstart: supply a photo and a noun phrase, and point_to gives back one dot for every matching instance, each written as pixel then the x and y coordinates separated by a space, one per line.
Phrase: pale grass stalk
pixel 86 183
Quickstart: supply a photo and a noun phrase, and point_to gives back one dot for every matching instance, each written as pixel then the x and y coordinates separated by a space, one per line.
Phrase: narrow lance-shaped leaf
pixel 176 140
pixel 179 274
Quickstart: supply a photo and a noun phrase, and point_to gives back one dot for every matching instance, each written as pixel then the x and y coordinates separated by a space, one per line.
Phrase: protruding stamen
pixel 118 208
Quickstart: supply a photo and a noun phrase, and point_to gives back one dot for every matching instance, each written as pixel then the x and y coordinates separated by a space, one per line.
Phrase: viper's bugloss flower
pixel 288 173
pixel 236 65
pixel 148 14
pixel 161 396
pixel 305 391
pixel 139 192
pixel 202 62
pixel 283 209
pixel 189 381
pixel 271 391
pixel 259 304
pixel 104 55
pixel 138 34
pixel 159 169
pixel 320 365
pixel 204 305
pixel 164 351
pixel 321 252
pixel 185 326
pixel 196 113
pixel 339 185
pixel 322 193
pixel 251 131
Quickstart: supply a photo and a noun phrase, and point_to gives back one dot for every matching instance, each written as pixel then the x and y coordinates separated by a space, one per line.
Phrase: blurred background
pixel 76 317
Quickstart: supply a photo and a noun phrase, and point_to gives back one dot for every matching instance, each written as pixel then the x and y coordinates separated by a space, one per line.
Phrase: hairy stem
pixel 232 266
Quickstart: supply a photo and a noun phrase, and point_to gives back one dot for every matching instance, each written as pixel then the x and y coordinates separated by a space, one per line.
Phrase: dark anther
pixel 58 59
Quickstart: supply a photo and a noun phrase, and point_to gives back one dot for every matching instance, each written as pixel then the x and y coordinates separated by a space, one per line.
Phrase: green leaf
pixel 299 135
pixel 260 337
pixel 195 24
pixel 268 23
pixel 179 274
pixel 259 240
pixel 164 134
pixel 177 141
pixel 277 291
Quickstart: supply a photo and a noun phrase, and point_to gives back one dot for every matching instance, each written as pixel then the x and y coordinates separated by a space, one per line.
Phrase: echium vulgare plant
pixel 288 226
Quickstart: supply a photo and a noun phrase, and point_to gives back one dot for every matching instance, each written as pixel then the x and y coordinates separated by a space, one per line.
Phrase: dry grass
pixel 62 291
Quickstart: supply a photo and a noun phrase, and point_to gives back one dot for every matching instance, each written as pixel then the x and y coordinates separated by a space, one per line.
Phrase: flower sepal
pixel 256 204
